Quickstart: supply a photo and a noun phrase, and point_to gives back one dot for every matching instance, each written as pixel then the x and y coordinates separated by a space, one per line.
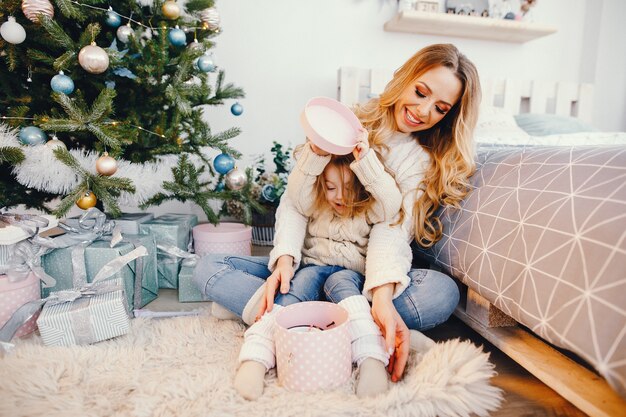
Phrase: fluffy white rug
pixel 184 367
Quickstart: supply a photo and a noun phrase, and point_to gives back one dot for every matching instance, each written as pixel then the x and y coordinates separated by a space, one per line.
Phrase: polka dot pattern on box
pixel 232 248
pixel 13 295
pixel 223 238
pixel 310 359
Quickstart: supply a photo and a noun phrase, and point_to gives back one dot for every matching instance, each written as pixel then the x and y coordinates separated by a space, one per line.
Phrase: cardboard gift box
pixel 170 230
pixel 139 276
pixel 187 290
pixel 97 313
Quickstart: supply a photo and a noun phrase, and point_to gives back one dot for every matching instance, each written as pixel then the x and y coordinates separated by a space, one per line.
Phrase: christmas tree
pixel 101 103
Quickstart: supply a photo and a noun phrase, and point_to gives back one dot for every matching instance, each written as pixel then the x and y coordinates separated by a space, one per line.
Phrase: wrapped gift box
pixel 87 319
pixel 11 235
pixel 13 295
pixel 170 230
pixel 128 222
pixel 58 264
pixel 187 291
pixel 223 238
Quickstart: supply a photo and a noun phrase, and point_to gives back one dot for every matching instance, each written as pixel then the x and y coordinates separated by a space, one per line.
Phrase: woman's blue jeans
pixel 232 280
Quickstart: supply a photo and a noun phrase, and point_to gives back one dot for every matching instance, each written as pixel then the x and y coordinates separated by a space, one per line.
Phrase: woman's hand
pixel 395 331
pixel 362 145
pixel 280 278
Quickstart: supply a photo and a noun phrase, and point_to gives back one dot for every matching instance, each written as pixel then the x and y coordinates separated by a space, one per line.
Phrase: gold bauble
pixel 171 10
pixel 88 200
pixel 106 165
pixel 33 8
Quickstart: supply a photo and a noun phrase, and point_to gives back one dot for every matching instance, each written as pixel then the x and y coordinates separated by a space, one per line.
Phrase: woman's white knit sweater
pixel 331 239
pixel 388 252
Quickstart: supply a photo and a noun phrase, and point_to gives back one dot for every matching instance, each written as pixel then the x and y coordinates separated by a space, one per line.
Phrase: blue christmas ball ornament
pixel 177 37
pixel 205 64
pixel 223 163
pixel 236 109
pixel 220 186
pixel 32 136
pixel 113 19
pixel 61 83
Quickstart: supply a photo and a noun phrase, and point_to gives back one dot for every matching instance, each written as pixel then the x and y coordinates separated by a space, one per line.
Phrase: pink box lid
pixel 6 285
pixel 223 232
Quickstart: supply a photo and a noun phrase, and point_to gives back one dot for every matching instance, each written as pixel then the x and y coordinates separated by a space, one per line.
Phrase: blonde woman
pixel 421 126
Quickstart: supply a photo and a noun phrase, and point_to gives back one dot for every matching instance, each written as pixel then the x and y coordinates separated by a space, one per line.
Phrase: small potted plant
pixel 269 186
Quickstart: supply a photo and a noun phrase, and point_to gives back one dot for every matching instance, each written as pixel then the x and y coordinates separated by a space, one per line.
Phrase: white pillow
pixel 497 126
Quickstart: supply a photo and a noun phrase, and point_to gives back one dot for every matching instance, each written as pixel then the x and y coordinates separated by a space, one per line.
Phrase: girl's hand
pixel 280 278
pixel 318 150
pixel 362 146
pixel 395 331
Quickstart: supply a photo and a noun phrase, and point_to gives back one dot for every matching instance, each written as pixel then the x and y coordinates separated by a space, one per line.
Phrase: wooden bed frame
pixel 582 387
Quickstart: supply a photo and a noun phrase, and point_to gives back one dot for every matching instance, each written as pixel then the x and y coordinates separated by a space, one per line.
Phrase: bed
pixel 539 246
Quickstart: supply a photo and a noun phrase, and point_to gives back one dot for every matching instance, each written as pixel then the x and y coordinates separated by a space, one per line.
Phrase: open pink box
pixel 331 125
pixel 313 348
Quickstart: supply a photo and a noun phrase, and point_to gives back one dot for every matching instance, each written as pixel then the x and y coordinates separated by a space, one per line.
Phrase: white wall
pixel 283 52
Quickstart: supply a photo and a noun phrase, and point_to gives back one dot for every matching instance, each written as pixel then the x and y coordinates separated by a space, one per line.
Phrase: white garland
pixel 41 170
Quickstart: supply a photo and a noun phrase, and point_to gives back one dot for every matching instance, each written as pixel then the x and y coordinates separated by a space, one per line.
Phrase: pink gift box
pixel 15 294
pixel 312 346
pixel 225 238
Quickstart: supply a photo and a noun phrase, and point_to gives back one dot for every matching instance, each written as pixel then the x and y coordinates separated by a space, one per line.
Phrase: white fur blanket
pixel 184 367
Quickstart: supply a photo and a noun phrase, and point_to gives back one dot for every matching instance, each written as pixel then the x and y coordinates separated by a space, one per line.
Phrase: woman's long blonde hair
pixel 450 142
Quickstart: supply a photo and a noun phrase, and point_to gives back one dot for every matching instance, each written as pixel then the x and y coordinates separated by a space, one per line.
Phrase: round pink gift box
pixel 15 294
pixel 330 124
pixel 223 238
pixel 312 346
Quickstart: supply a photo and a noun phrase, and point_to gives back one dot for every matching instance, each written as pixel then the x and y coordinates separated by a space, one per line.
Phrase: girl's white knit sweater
pixel 331 239
pixel 389 254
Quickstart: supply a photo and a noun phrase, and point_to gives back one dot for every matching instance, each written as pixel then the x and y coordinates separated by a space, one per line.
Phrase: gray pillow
pixel 551 124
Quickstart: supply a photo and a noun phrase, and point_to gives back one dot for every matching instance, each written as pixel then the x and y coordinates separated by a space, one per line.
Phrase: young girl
pixel 422 127
pixel 341 197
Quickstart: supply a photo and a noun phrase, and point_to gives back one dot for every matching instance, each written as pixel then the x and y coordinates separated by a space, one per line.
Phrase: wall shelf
pixel 476 27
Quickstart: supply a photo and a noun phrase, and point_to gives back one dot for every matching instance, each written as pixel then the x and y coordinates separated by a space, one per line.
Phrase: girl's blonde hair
pixel 449 143
pixel 356 199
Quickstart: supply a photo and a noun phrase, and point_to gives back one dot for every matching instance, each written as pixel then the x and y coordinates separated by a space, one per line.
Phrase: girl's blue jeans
pixel 231 281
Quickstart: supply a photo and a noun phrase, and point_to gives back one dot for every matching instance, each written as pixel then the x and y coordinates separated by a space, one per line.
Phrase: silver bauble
pixel 124 33
pixel 211 18
pixel 93 59
pixel 12 32
pixel 235 179
pixel 106 165
pixel 55 143
pixel 33 8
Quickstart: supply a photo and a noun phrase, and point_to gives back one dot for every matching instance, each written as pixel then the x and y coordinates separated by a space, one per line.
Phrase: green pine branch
pixel 11 154
pixel 106 189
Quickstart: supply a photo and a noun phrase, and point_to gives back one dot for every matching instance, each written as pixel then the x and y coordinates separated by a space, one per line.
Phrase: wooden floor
pixel 524 394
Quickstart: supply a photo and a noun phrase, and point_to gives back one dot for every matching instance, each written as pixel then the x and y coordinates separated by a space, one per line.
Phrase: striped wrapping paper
pixel 86 320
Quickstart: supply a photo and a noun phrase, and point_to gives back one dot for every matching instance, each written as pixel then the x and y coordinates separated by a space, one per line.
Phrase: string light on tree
pixel 61 83
pixel 31 136
pixel 12 32
pixel 171 10
pixel 236 109
pixel 106 165
pixel 93 59
pixel 88 200
pixel 33 8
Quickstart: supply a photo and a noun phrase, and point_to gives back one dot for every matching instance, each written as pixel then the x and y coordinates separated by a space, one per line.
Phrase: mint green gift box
pixel 58 264
pixel 187 290
pixel 170 230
